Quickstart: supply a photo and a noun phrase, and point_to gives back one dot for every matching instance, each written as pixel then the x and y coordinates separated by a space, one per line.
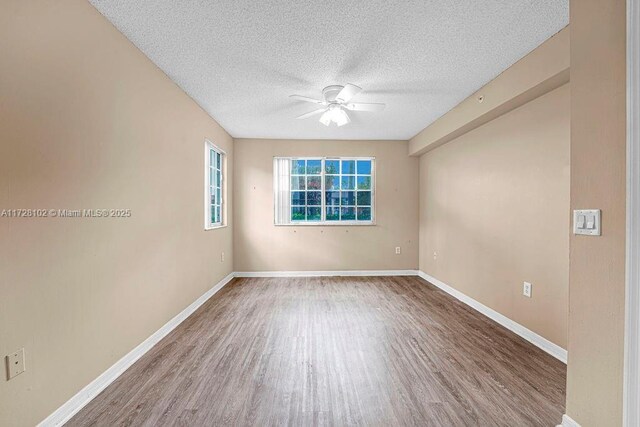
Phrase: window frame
pixel 208 224
pixel 323 221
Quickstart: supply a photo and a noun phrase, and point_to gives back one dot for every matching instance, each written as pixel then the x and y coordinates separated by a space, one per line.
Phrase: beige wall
pixel 259 245
pixel 494 208
pixel 87 121
pixel 597 284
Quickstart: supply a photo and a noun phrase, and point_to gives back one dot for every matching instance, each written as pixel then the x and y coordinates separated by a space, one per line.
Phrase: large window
pixel 324 190
pixel 214 194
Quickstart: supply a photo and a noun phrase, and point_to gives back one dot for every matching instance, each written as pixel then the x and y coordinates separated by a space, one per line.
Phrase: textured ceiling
pixel 241 59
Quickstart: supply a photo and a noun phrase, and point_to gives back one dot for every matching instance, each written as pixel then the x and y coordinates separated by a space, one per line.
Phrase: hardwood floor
pixel 335 351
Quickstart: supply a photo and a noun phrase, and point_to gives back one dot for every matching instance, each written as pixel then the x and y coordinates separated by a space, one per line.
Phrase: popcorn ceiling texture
pixel 241 59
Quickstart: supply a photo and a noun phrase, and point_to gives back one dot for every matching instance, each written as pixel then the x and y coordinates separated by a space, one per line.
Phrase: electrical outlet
pixel 526 289
pixel 221 256
pixel 397 250
pixel 15 363
pixel 435 255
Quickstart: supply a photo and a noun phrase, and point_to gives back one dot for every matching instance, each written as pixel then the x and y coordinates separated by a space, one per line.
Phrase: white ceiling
pixel 241 59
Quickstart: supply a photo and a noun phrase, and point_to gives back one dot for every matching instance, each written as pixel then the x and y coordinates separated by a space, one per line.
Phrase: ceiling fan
pixel 335 102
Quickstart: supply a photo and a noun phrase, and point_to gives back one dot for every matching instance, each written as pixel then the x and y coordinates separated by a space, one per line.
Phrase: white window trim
pixel 208 225
pixel 323 205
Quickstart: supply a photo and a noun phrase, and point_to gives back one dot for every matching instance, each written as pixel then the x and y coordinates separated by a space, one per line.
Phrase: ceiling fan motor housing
pixel 331 92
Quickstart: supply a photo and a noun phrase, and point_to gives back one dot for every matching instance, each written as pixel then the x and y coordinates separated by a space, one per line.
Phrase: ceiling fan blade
pixel 347 92
pixel 364 107
pixel 307 99
pixel 311 113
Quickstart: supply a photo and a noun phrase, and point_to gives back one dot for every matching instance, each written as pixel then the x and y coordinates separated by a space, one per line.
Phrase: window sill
pixel 215 227
pixel 328 224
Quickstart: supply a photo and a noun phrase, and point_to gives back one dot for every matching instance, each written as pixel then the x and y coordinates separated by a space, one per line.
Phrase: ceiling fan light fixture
pixel 326 118
pixel 335 114
pixel 340 117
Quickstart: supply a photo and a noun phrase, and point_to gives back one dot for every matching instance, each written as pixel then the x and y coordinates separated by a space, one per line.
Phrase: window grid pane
pixel 364 199
pixel 354 174
pixel 306 190
pixel 215 186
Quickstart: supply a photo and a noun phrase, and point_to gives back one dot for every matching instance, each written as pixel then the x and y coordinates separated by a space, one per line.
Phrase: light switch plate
pixel 586 222
pixel 15 363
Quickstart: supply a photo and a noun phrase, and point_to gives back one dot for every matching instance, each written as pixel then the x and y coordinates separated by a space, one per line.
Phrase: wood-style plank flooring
pixel 383 351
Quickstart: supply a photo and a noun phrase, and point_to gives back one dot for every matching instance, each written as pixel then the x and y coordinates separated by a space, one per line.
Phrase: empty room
pixel 280 213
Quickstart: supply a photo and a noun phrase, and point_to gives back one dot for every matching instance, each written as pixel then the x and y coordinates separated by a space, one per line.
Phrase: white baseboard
pixel 84 396
pixel 327 273
pixel 567 421
pixel 537 340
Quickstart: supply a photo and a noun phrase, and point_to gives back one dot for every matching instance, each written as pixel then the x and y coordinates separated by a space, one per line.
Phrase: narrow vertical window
pixel 214 194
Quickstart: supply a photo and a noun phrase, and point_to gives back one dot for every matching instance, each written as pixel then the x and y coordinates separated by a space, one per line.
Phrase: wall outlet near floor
pixel 15 363
pixel 221 256
pixel 435 255
pixel 526 289
pixel 397 250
